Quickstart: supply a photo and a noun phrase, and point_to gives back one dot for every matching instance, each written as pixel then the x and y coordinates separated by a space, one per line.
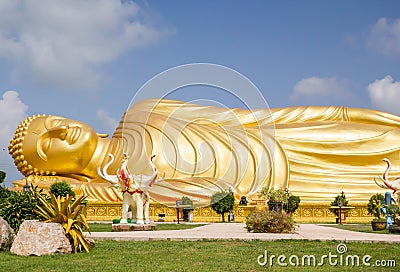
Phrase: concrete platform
pixel 229 231
pixel 133 227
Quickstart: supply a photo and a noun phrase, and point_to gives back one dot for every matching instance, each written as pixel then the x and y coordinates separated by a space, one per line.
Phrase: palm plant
pixel 69 215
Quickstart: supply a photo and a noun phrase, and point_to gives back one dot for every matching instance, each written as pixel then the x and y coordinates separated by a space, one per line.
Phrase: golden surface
pixel 316 152
pixel 306 213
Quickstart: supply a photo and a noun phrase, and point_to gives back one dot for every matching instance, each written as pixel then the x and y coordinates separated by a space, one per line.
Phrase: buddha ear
pixel 40 151
pixel 102 135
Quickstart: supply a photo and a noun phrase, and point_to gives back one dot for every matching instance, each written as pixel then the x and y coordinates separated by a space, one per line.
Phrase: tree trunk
pixel 223 217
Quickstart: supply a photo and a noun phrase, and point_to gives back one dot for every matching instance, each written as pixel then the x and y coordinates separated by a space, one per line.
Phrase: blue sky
pixel 86 59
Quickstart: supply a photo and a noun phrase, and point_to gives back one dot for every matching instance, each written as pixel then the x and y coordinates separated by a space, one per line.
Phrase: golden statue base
pixel 306 213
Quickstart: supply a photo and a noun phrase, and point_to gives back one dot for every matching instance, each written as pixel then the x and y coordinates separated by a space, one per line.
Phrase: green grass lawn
pixel 201 256
pixel 358 227
pixel 100 227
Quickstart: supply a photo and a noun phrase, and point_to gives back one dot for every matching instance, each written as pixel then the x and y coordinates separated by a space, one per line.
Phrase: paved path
pixel 238 231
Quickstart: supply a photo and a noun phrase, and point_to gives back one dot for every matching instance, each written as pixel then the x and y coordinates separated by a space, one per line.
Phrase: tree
pixel 293 202
pixel 222 203
pixel 186 211
pixel 339 198
pixel 2 176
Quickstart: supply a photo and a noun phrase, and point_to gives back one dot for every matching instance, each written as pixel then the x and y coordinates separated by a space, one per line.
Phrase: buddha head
pixel 50 145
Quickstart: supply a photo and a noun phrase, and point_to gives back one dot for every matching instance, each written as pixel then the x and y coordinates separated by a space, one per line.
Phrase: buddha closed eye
pixel 61 133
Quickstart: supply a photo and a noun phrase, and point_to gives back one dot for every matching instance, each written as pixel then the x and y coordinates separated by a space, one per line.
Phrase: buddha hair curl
pixel 15 149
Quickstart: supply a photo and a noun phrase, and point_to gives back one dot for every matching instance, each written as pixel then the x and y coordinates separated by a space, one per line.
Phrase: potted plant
pixel 188 209
pixel 340 200
pixel 275 198
pixel 375 206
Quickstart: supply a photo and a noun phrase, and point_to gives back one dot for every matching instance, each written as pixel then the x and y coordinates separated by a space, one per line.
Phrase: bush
pixel 222 203
pixel 61 189
pixel 4 193
pixel 15 207
pixel 269 221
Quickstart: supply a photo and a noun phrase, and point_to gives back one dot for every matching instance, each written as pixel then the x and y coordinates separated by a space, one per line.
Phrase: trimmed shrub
pixel 269 221
pixel 61 189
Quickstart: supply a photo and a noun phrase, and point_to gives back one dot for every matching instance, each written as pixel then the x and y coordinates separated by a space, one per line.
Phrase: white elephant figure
pixel 134 189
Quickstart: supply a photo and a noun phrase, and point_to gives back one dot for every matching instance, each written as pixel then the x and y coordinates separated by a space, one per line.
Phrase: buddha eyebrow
pixel 51 123
pixel 36 132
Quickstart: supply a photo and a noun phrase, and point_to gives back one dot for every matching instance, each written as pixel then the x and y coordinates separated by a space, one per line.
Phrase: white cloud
pixel 321 91
pixel 385 37
pixel 64 42
pixel 109 122
pixel 12 112
pixel 385 94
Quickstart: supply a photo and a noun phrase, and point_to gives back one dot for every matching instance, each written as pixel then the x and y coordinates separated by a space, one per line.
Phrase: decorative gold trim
pixel 306 213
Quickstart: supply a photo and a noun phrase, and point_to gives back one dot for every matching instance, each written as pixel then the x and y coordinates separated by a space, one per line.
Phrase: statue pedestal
pixel 133 227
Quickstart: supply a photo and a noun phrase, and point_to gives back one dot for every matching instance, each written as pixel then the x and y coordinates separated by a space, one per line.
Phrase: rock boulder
pixel 39 238
pixel 7 234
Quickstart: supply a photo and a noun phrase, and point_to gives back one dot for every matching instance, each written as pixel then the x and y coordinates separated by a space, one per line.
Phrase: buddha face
pixel 54 143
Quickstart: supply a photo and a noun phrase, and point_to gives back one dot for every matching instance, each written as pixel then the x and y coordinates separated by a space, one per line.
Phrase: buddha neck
pixel 100 157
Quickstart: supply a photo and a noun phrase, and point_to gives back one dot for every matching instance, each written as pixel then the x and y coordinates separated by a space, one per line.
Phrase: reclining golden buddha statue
pixel 315 152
